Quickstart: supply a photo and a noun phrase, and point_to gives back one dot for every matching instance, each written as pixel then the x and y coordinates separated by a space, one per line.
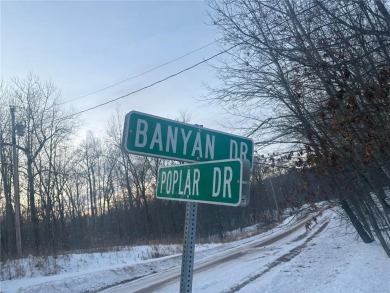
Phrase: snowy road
pixel 232 269
pixel 330 258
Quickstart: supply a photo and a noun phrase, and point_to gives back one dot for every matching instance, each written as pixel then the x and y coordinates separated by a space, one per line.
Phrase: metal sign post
pixel 188 255
pixel 223 177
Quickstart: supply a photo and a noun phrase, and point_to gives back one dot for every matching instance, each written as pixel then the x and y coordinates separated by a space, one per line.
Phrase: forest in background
pixel 312 76
pixel 92 195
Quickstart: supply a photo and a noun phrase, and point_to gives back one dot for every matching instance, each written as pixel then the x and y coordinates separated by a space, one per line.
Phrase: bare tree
pixel 46 124
pixel 322 67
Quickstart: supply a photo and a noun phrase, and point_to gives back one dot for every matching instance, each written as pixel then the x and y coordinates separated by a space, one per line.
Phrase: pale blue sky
pixel 83 46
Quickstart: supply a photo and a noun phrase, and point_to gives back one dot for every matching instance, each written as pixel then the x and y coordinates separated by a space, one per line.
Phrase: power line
pixel 157 67
pixel 152 84
pixel 143 73
pixel 150 70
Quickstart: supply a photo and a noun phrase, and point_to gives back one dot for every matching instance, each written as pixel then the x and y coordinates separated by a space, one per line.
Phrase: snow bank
pixel 335 260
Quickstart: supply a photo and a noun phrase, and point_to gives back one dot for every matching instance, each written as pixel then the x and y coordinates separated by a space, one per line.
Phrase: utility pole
pixel 16 185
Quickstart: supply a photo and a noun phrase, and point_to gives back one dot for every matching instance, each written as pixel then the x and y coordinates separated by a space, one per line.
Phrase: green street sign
pixel 224 182
pixel 149 135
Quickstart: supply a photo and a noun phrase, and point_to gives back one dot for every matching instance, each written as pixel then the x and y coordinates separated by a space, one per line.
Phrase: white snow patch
pixel 332 261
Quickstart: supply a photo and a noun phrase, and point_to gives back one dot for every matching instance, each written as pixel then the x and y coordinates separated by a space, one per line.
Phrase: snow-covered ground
pixel 327 259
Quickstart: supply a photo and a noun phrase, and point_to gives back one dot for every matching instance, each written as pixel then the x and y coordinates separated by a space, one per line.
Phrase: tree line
pixel 82 194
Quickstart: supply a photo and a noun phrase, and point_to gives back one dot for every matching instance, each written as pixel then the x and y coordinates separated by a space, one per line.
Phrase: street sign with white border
pixel 150 135
pixel 224 182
